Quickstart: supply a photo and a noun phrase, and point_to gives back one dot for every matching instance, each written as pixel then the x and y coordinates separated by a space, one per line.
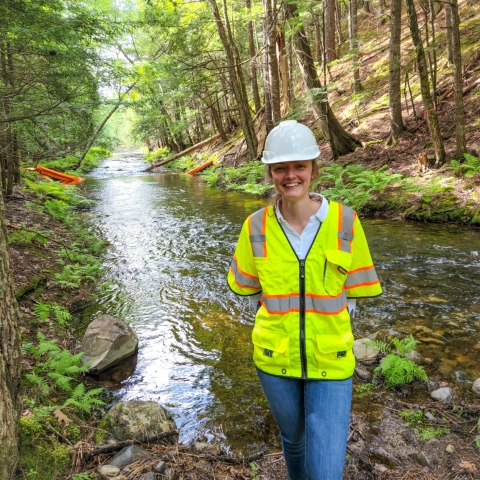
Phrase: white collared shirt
pixel 301 242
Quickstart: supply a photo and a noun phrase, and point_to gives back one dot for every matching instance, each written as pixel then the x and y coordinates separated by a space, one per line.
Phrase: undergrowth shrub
pixel 66 164
pixel 353 185
pixel 22 236
pixel 44 311
pixel 467 169
pixel 395 368
pixel 55 374
pixel 157 155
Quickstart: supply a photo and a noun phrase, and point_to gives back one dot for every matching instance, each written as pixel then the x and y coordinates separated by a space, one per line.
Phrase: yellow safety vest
pixel 302 327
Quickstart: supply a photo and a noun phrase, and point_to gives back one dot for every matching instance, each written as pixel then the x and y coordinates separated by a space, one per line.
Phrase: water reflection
pixel 171 241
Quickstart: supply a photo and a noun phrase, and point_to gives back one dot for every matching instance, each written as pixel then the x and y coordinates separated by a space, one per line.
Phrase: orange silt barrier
pixel 200 167
pixel 63 177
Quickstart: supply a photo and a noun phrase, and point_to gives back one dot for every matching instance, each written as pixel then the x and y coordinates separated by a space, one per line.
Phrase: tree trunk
pixel 269 123
pixel 283 70
pixel 341 142
pixel 253 59
pixel 329 26
pixel 357 86
pixel 218 121
pixel 10 360
pixel 394 82
pixel 449 31
pixel 272 74
pixel 318 40
pixel 430 112
pixel 461 145
pixel 338 19
pixel 236 77
pixel 366 6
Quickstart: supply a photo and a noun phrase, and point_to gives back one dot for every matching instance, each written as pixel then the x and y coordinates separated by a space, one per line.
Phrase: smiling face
pixel 292 179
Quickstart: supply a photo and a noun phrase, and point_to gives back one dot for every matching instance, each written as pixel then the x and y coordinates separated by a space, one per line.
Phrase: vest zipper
pixel 302 319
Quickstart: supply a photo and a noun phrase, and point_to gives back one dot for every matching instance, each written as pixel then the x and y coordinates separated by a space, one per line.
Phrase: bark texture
pixel 329 26
pixel 394 82
pixel 430 112
pixel 272 75
pixel 461 145
pixel 10 361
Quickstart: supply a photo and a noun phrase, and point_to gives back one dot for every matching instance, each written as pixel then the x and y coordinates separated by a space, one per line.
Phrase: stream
pixel 171 240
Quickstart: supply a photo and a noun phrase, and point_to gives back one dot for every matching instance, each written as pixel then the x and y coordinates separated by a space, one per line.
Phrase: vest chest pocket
pixel 337 266
pixel 270 349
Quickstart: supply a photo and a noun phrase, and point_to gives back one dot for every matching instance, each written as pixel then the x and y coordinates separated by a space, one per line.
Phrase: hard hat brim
pixel 271 157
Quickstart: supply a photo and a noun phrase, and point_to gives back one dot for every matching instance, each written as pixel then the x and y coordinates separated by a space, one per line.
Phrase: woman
pixel 307 261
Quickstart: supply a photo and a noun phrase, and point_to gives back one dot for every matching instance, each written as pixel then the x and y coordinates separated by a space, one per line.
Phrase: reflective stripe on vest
pixel 362 277
pixel 321 304
pixel 243 279
pixel 346 220
pixel 258 239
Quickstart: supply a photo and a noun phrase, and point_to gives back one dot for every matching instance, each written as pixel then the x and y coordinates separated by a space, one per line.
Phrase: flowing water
pixel 171 239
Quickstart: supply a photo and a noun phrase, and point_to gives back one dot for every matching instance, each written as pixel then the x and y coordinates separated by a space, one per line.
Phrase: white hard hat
pixel 290 141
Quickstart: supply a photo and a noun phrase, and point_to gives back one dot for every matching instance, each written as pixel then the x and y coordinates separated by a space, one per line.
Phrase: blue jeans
pixel 313 417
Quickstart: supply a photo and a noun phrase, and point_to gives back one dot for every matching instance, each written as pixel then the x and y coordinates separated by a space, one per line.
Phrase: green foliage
pixel 184 163
pixel 253 473
pixel 83 476
pixel 55 373
pixel 22 236
pixel 353 185
pixel 467 169
pixel 248 177
pixel 395 367
pixel 73 275
pixel 66 164
pixel 365 389
pixel 159 154
pixel 417 419
pixel 45 310
pixel 68 194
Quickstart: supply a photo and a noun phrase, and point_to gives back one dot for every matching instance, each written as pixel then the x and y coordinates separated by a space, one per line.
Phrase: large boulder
pixel 107 342
pixel 137 419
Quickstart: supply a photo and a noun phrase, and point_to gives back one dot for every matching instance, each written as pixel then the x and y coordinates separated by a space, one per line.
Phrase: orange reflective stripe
pixel 364 284
pixel 340 221
pixel 264 229
pixel 370 267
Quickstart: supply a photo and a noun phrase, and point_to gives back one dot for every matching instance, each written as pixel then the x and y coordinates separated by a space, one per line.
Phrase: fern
pixel 383 347
pixel 405 345
pixel 399 370
pixel 42 310
pixel 469 168
pixel 57 370
pixel 61 314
